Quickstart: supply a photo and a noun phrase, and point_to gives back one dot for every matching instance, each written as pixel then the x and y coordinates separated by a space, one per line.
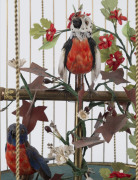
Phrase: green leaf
pixel 113 49
pixel 37 31
pixel 74 9
pixel 128 31
pixel 36 36
pixel 105 13
pixel 105 173
pixel 120 166
pixel 105 54
pixel 129 87
pixel 132 32
pixel 132 139
pixel 104 3
pixel 50 44
pixel 128 125
pixel 81 7
pixel 132 73
pixel 107 68
pixel 96 36
pixel 132 154
pixel 45 23
pixel 125 30
pixel 94 28
pixel 109 4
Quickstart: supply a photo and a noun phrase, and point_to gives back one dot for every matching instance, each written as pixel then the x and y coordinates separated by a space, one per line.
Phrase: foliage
pixel 123 121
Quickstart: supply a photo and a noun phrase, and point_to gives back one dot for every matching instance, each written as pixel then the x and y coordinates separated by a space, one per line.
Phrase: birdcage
pixel 17 18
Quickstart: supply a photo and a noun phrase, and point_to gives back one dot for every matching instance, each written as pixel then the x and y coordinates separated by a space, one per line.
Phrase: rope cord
pixel 43 64
pixel 17 91
pixel 136 89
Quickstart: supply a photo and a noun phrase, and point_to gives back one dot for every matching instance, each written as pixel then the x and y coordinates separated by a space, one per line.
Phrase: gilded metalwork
pixel 8 94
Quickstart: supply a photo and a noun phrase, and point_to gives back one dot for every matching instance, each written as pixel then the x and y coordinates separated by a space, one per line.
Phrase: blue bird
pixel 30 159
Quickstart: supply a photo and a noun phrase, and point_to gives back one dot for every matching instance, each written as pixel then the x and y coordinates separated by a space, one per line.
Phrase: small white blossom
pixel 83 115
pixel 121 171
pixel 89 178
pixel 12 62
pixel 61 153
pixel 61 159
pixel 104 39
pixel 114 59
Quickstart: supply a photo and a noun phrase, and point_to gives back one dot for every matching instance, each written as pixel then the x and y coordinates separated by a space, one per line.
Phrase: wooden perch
pixel 59 95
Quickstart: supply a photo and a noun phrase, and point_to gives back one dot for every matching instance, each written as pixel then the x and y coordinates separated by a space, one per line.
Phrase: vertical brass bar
pixel 43 65
pixel 30 52
pixel 53 69
pixel 66 116
pixel 78 152
pixel 7 63
pixel 91 80
pixel 127 79
pixel 78 3
pixel 104 107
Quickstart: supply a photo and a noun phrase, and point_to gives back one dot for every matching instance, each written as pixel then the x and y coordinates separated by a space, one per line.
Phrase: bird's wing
pixel 38 162
pixel 96 59
pixel 97 68
pixel 92 45
pixel 63 59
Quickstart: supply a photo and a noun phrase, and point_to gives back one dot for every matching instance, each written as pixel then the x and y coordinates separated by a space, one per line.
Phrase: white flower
pixel 61 159
pixel 83 115
pixel 61 153
pixel 50 155
pixel 121 171
pixel 89 178
pixel 12 62
pixel 68 150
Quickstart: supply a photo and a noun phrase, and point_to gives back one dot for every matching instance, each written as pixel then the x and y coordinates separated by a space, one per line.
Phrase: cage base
pixel 67 171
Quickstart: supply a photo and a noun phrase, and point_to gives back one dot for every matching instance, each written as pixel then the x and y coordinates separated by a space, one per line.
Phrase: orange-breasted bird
pixel 30 160
pixel 80 54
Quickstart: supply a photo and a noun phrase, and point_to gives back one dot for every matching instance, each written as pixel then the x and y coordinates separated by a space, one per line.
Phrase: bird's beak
pixel 13 133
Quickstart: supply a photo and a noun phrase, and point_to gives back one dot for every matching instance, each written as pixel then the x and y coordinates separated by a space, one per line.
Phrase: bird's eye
pixel 87 23
pixel 22 131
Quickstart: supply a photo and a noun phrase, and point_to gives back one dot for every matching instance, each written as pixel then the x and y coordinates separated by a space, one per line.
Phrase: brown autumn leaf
pixel 37 84
pixel 35 69
pixel 112 125
pixel 57 176
pixel 88 141
pixel 131 94
pixel 114 76
pixel 31 115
